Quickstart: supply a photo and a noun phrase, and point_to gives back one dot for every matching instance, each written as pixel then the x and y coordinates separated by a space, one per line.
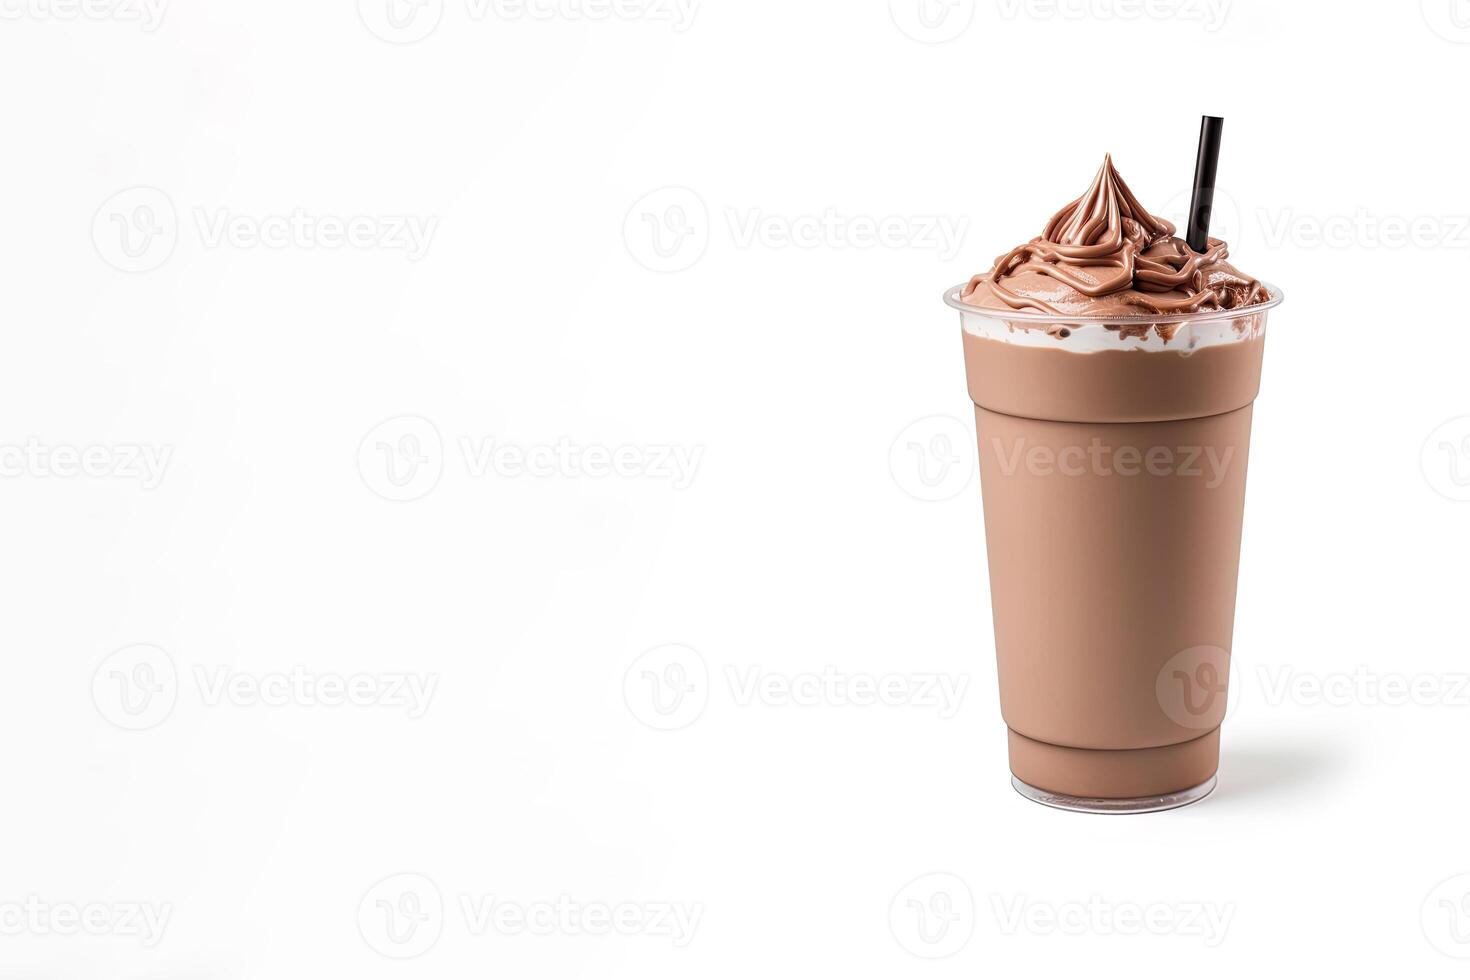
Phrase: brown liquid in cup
pixel 1114 486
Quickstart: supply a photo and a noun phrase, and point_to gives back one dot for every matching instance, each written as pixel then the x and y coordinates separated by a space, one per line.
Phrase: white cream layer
pixel 1087 338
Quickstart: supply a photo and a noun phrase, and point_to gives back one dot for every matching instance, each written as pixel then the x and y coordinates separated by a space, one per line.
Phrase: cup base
pixel 1137 804
pixel 1114 774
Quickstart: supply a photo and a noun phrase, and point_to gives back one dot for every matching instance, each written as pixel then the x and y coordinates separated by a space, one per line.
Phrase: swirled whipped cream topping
pixel 1104 255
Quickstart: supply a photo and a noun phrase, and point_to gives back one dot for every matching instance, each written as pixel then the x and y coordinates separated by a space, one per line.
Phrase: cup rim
pixel 952 299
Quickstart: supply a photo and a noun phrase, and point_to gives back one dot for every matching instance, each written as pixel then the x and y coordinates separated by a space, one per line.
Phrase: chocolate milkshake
pixel 1113 369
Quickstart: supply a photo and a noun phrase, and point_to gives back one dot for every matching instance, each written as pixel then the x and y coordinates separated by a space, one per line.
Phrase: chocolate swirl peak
pixel 1104 255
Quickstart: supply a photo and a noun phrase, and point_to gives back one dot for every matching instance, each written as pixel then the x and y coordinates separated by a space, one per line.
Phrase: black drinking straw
pixel 1203 199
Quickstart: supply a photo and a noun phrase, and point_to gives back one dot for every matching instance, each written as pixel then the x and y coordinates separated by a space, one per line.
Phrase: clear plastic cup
pixel 1112 463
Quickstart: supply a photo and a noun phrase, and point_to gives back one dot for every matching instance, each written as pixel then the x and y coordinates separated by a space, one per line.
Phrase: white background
pixel 275 384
